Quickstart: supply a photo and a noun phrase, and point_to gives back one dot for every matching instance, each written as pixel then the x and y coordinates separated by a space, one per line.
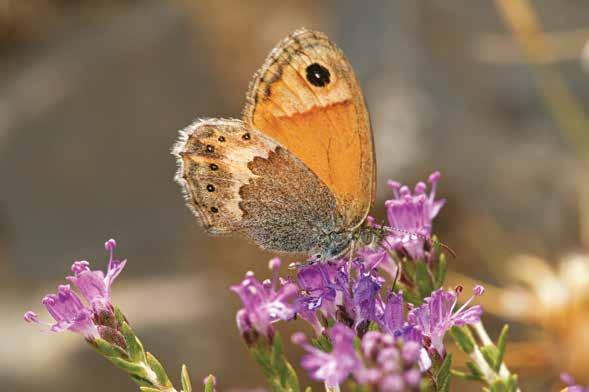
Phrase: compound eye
pixel 366 237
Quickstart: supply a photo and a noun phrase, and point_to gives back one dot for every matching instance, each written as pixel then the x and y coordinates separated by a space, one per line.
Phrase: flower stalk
pixel 87 309
pixel 487 364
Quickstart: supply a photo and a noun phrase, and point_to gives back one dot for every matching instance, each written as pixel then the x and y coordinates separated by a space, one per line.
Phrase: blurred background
pixel 493 93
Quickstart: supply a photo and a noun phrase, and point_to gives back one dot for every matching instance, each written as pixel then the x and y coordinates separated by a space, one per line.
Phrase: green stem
pixel 489 374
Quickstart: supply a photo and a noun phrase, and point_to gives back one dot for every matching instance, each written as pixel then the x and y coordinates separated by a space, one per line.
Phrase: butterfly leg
pixel 350 264
pixel 297 265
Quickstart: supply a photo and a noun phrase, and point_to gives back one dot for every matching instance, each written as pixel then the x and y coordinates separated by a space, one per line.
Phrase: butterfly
pixel 297 173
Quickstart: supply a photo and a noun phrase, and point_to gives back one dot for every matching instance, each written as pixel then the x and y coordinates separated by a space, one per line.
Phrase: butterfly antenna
pixel 423 237
pixel 450 250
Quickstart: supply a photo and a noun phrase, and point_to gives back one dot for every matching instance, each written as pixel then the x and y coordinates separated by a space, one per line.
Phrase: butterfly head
pixel 332 246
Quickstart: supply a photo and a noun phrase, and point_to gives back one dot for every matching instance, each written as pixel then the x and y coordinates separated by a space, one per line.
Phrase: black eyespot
pixel 210 148
pixel 213 166
pixel 318 75
pixel 221 139
pixel 210 188
pixel 246 136
pixel 214 210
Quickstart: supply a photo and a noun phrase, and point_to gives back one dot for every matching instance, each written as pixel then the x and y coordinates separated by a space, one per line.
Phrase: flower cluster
pixel 379 316
pixel 335 366
pixel 400 331
pixel 264 303
pixel 383 361
pixel 410 216
pixel 90 311
pixel 421 332
pixel 392 364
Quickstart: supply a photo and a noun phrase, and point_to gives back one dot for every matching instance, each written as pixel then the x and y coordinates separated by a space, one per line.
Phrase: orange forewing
pixel 307 98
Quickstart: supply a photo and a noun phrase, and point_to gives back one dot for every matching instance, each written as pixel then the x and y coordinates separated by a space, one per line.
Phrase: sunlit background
pixel 492 93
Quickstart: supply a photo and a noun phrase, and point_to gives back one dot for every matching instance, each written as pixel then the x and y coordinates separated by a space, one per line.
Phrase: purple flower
pixel 317 283
pixel 91 319
pixel 392 319
pixel 378 257
pixel 351 297
pixel 317 293
pixel 390 364
pixel 333 367
pixel 364 297
pixel 410 216
pixel 436 316
pixel 94 285
pixel 68 312
pixel 264 303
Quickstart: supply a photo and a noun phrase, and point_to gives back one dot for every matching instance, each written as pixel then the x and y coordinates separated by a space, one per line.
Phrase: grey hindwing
pixel 286 207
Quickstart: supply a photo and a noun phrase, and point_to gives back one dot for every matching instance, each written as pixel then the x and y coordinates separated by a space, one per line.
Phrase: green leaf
pixel 475 371
pixel 279 373
pixel 426 384
pixel 408 269
pixel 357 344
pixel 441 271
pixel 290 379
pixel 444 375
pixel 501 343
pixel 491 355
pixel 412 298
pixel 107 349
pixel 128 367
pixel 276 348
pixel 149 389
pixel 459 374
pixel 119 316
pixel 185 379
pixel 134 346
pixel 464 375
pixel 463 338
pixel 287 376
pixel 142 382
pixel 209 384
pixel 512 383
pixel 158 369
pixel 435 244
pixel 262 357
pixel 322 343
pixel 499 386
pixel 423 279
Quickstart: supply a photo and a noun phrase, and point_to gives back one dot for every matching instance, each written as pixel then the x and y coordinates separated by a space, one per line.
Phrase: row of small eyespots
pixel 210 148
